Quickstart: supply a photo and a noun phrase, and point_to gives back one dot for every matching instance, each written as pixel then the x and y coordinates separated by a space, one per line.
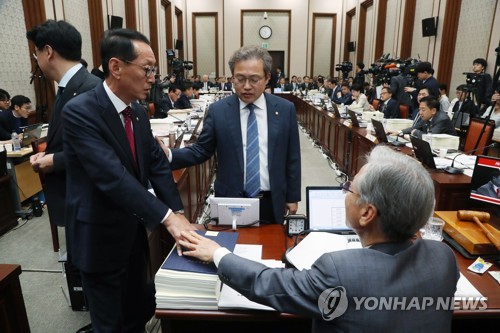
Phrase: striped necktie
pixel 252 181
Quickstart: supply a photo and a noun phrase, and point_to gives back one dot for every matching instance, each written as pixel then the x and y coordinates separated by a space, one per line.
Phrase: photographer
pixel 463 109
pixel 397 84
pixel 360 74
pixel 425 80
pixel 481 82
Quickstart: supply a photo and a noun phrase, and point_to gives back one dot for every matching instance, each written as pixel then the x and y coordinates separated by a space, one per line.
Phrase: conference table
pixel 275 242
pixel 347 146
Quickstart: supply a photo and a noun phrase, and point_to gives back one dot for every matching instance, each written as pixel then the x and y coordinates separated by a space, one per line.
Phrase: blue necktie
pixel 252 181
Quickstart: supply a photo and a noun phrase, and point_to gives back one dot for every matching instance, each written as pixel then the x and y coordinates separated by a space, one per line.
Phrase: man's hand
pixel 409 89
pixel 291 208
pixel 175 224
pixel 166 150
pixel 42 162
pixel 198 246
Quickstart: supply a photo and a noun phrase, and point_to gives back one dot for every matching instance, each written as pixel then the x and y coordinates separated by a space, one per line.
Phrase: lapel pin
pixel 136 118
pixel 276 113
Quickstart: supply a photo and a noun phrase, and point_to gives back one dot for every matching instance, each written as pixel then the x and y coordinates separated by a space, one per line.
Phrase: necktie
pixel 56 112
pixel 498 192
pixel 128 129
pixel 252 181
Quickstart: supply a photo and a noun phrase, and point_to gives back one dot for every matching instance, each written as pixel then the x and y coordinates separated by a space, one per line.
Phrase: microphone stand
pixel 457 171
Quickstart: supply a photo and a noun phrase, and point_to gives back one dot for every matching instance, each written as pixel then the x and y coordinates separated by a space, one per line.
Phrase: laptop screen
pixel 31 133
pixel 326 209
pixel 423 152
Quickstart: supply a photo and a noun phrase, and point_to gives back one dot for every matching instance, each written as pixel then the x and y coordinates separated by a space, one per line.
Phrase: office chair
pixel 39 146
pixel 475 127
pixel 403 111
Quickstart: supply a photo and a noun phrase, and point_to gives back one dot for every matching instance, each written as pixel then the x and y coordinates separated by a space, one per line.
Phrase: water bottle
pixel 16 142
pixel 178 133
pixel 188 122
pixel 171 138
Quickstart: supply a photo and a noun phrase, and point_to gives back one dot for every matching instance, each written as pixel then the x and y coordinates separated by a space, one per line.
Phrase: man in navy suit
pixel 391 266
pixel 58 48
pixel 426 79
pixel 111 161
pixel 224 132
pixel 389 107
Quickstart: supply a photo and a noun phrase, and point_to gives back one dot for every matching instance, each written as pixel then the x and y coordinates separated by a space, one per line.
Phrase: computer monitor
pixel 235 211
pixel 325 206
pixel 485 180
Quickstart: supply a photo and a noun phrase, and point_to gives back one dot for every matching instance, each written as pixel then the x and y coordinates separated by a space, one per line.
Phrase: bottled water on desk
pixel 16 142
pixel 178 132
pixel 188 122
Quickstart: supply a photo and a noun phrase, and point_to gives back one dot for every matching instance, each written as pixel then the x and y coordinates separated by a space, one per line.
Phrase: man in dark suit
pixel 391 266
pixel 228 86
pixel 187 93
pixel 58 47
pixel 167 102
pixel 111 161
pixel 491 188
pixel 464 109
pixel 345 95
pixel 431 120
pixel 425 80
pixel 334 90
pixel 225 133
pixel 389 107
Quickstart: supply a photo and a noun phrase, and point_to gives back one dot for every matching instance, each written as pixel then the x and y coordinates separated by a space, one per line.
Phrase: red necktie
pixel 128 129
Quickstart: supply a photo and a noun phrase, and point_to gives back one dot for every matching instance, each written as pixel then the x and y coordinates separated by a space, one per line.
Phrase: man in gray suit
pixel 390 199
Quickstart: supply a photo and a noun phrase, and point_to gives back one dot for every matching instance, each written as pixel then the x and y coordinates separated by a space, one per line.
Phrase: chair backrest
pixel 151 110
pixel 376 104
pixel 475 127
pixel 39 146
pixel 403 111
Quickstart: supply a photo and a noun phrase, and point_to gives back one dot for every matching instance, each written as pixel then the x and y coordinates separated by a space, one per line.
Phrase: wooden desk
pixel 25 182
pixel 274 244
pixel 347 146
pixel 13 316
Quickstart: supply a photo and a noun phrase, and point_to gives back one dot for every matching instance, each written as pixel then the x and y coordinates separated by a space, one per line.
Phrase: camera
pixel 345 67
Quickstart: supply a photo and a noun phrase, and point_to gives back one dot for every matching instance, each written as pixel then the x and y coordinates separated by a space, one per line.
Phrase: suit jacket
pixel 9 124
pixel 487 189
pixel 440 123
pixel 165 106
pixel 228 86
pixel 431 83
pixel 390 109
pixel 309 86
pixel 183 102
pixel 221 134
pixel 55 181
pixel 343 99
pixel 107 192
pixel 423 269
pixel 333 93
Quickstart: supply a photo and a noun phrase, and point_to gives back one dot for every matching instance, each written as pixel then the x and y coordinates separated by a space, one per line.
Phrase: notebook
pixel 325 207
pixel 382 137
pixel 423 152
pixel 31 133
pixel 354 120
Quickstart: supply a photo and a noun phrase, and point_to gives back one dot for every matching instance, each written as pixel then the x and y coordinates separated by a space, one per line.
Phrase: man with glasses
pixel 255 136
pixel 392 266
pixel 112 160
pixel 389 107
pixel 58 51
pixel 13 119
pixel 167 103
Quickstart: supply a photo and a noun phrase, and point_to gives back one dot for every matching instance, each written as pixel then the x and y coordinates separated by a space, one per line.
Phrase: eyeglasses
pixel 147 69
pixel 346 187
pixel 252 80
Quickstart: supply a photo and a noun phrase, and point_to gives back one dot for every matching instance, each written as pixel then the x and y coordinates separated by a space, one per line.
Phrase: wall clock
pixel 265 32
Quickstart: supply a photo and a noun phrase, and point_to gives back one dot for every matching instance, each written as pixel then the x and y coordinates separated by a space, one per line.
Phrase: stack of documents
pixel 186 283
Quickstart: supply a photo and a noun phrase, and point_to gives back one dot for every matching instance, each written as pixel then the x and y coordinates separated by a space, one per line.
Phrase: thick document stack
pixel 186 283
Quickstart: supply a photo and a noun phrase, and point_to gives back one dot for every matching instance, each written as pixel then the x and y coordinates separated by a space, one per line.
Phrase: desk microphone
pixel 456 171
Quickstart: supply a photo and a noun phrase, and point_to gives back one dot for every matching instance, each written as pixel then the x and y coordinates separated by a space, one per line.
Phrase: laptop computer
pixel 336 111
pixel 325 207
pixel 383 138
pixel 423 152
pixel 354 120
pixel 31 133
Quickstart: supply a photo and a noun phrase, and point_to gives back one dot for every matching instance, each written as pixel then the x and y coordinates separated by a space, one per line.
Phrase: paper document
pixel 465 289
pixel 315 245
pixel 231 299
